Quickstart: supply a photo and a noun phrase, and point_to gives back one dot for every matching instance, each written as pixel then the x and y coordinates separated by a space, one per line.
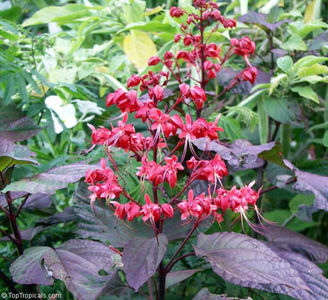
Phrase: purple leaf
pixel 244 88
pixel 290 240
pixel 15 127
pixel 240 155
pixel 141 257
pixel 67 215
pixel 204 294
pixel 319 41
pixel 309 183
pixel 28 268
pixel 49 182
pixel 248 262
pixel 173 278
pixel 77 263
pixel 16 154
pixel 310 273
pixel 36 201
pixel 253 17
pixel 27 234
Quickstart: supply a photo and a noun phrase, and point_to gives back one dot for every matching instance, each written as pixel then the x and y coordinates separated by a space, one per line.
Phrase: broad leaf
pixel 285 63
pixel 11 154
pixel 244 87
pixel 310 60
pixel 36 201
pixel 14 126
pixel 306 92
pixel 204 294
pixel 67 215
pixel 278 110
pixel 76 262
pixel 313 184
pixel 289 240
pixel 49 182
pixel 153 26
pixel 173 278
pixel 28 268
pixel 248 262
pixel 319 41
pixel 240 155
pixel 294 42
pixel 141 257
pixel 138 47
pixel 261 20
pixel 27 234
pixel 60 14
pixel 310 273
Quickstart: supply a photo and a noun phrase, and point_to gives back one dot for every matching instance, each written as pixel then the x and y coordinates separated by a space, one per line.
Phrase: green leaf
pixel 315 69
pixel 303 30
pixel 134 10
pixel 285 63
pixel 21 87
pixel 306 92
pixel 278 110
pixel 300 199
pixel 153 26
pixel 295 42
pixel 274 155
pixel 264 122
pixel 138 47
pixel 60 14
pixel 325 139
pixel 309 61
pixel 10 88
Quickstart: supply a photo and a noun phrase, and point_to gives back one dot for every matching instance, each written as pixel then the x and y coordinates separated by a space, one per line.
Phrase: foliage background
pixel 76 53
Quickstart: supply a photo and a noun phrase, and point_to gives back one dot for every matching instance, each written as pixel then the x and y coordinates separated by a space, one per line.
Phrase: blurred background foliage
pixel 59 60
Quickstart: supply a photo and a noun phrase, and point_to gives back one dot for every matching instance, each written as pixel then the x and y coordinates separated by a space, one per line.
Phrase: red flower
pixel 167 210
pixel 150 211
pixel 161 123
pixel 170 170
pixel 190 207
pixel 153 61
pixel 176 12
pixel 198 95
pixel 158 92
pixel 134 80
pixel 227 23
pixel 127 102
pixel 244 46
pixel 130 209
pixel 104 183
pixel 99 136
pixel 249 74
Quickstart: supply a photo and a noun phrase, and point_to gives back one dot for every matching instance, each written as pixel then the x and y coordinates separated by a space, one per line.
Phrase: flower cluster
pixel 162 155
